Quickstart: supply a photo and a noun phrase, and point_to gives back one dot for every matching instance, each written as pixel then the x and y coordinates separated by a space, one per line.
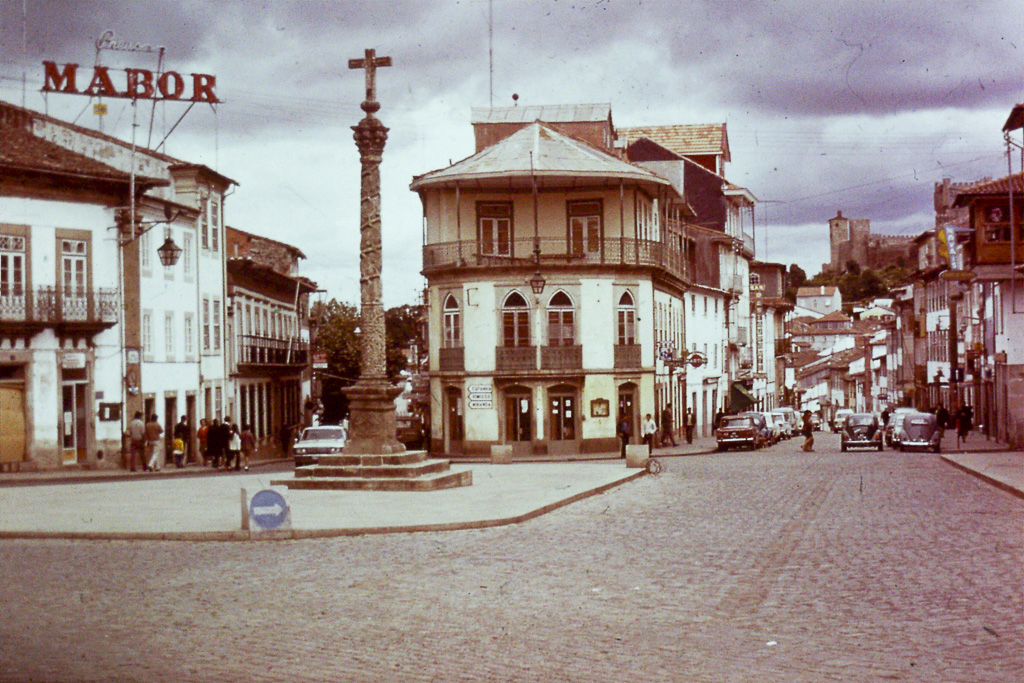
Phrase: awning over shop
pixel 740 397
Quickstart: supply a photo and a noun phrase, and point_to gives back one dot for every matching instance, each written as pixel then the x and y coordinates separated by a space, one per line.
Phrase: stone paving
pixel 770 566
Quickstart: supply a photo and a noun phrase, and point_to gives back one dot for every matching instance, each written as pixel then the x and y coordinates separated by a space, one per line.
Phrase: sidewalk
pixel 986 459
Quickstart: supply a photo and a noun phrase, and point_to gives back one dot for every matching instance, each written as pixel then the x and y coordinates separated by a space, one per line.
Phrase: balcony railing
pixel 255 350
pixel 697 263
pixel 627 356
pixel 452 359
pixel 561 357
pixel 515 358
pixel 55 305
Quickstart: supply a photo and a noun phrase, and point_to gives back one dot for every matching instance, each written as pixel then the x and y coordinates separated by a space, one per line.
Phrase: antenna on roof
pixel 515 100
pixel 490 49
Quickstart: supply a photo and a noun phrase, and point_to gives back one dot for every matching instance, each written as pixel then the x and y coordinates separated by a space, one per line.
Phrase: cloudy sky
pixel 854 106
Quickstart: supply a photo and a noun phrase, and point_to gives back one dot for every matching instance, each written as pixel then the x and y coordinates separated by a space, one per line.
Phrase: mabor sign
pixel 139 84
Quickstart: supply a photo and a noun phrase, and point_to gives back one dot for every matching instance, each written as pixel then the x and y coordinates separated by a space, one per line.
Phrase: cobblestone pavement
pixel 767 566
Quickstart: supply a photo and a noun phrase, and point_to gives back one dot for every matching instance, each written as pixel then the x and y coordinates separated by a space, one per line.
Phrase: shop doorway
pixel 628 410
pixel 74 433
pixel 519 419
pixel 453 428
pixel 562 417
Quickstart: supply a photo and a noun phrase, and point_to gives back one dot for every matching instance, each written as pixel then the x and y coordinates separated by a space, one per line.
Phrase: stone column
pixel 372 398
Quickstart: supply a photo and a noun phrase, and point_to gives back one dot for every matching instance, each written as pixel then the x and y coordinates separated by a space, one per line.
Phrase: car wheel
pixel 879 447
pixel 842 447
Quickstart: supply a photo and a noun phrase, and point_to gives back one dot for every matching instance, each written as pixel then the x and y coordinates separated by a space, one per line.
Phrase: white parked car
pixel 322 440
pixel 840 418
pixel 782 422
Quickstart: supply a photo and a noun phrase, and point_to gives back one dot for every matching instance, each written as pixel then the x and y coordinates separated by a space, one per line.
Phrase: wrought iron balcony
pixel 627 356
pixel 269 352
pixel 452 359
pixel 77 311
pixel 561 357
pixel 697 263
pixel 515 358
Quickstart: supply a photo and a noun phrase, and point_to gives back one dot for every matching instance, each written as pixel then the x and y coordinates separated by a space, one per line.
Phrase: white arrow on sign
pixel 274 509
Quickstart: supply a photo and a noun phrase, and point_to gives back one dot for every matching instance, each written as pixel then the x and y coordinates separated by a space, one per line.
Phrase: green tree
pixel 337 336
pixel 795 279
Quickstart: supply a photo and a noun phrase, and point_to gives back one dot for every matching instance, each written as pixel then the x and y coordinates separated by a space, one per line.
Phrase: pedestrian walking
pixel 215 443
pixel 201 434
pixel 647 431
pixel 624 430
pixel 808 431
pixel 153 446
pixel 667 432
pixel 963 425
pixel 184 432
pixel 248 444
pixel 234 448
pixel 690 424
pixel 137 442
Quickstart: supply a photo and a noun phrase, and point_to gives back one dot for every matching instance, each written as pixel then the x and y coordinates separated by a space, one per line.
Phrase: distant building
pixel 822 299
pixel 850 239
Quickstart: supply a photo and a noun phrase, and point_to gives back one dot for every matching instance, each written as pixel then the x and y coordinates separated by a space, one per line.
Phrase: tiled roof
pixel 551 113
pixel 538 151
pixel 20 149
pixel 820 290
pixel 999 186
pixel 683 139
pixel 834 316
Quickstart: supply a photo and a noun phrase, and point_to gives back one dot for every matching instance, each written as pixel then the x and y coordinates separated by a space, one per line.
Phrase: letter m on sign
pixel 59 81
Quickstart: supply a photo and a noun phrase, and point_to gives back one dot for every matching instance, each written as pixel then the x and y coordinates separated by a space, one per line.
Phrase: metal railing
pixel 56 305
pixel 627 355
pixel 515 358
pixel 561 357
pixel 254 350
pixel 452 359
pixel 695 262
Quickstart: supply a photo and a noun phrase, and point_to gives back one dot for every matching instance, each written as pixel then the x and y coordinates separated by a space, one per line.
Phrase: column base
pixel 371 419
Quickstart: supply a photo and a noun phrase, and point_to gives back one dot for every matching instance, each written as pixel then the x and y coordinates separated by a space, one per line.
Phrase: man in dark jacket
pixel 216 442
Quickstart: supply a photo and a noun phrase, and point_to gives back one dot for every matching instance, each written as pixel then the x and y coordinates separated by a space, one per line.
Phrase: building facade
pixel 565 286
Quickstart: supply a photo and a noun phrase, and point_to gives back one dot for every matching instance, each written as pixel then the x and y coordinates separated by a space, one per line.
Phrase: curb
pixel 986 478
pixel 301 534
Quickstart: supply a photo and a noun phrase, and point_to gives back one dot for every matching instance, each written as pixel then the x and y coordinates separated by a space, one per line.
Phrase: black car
pixel 738 430
pixel 861 430
pixel 920 431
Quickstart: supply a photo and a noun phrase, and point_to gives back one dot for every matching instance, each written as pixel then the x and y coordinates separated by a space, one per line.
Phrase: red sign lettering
pixel 139 84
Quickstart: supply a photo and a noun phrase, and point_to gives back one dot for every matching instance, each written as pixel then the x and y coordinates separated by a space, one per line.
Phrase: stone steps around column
pixel 428 482
pixel 408 471
pixel 417 469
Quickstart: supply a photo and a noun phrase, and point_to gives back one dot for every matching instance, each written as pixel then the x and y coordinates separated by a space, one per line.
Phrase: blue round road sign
pixel 268 509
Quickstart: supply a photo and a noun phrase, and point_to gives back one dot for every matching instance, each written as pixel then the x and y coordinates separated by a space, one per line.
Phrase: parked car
pixel 322 440
pixel 896 428
pixel 861 430
pixel 920 431
pixel 761 421
pixel 902 410
pixel 783 424
pixel 839 418
pixel 739 430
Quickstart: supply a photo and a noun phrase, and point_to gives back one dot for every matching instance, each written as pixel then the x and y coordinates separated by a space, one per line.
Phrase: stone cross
pixel 370 62
pixel 371 398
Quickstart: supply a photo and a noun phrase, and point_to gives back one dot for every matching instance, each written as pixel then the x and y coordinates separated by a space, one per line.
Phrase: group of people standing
pixel 962 420
pixel 224 441
pixel 649 430
pixel 219 441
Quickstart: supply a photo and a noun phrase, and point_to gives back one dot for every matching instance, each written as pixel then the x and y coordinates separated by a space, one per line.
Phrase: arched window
pixel 515 321
pixel 626 320
pixel 561 320
pixel 452 323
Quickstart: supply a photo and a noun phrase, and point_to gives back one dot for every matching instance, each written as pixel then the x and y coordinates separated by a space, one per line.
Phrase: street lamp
pixel 537 283
pixel 169 252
